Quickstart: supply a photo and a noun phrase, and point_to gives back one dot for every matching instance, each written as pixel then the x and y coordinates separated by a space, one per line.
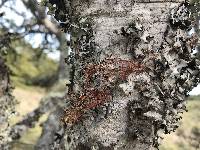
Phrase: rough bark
pixel 131 71
pixel 7 103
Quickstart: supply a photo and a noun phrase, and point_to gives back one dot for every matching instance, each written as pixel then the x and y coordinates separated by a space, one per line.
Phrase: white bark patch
pixel 154 115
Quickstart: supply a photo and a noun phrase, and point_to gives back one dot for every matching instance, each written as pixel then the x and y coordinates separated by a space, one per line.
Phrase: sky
pixel 36 40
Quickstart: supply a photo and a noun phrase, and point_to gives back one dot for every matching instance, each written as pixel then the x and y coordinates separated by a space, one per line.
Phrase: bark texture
pixel 132 68
pixel 6 105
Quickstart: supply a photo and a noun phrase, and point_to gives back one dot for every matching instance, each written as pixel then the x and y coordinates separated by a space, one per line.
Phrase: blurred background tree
pixel 34 23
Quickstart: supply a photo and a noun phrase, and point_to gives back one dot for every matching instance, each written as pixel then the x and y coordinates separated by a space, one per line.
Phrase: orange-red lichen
pixel 90 100
pixel 93 97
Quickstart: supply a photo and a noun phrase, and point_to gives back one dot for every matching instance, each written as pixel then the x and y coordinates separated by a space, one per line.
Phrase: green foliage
pixel 30 65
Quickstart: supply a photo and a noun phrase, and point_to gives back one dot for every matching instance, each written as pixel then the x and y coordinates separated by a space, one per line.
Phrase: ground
pixel 29 98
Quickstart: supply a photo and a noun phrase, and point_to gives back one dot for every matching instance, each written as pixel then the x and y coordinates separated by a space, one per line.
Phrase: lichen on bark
pixel 7 104
pixel 149 37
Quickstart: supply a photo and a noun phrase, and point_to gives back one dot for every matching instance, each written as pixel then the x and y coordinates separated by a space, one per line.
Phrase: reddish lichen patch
pixel 106 74
pixel 114 67
pixel 88 101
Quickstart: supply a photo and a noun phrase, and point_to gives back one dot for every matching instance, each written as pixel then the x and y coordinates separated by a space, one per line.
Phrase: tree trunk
pixel 6 105
pixel 130 72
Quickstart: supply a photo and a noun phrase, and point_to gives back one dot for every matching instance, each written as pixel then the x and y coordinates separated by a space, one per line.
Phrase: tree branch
pixel 39 12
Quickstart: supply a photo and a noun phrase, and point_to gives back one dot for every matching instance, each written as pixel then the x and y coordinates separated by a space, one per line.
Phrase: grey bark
pixel 148 101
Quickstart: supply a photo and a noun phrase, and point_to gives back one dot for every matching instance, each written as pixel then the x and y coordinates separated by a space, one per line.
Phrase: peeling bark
pixel 132 69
